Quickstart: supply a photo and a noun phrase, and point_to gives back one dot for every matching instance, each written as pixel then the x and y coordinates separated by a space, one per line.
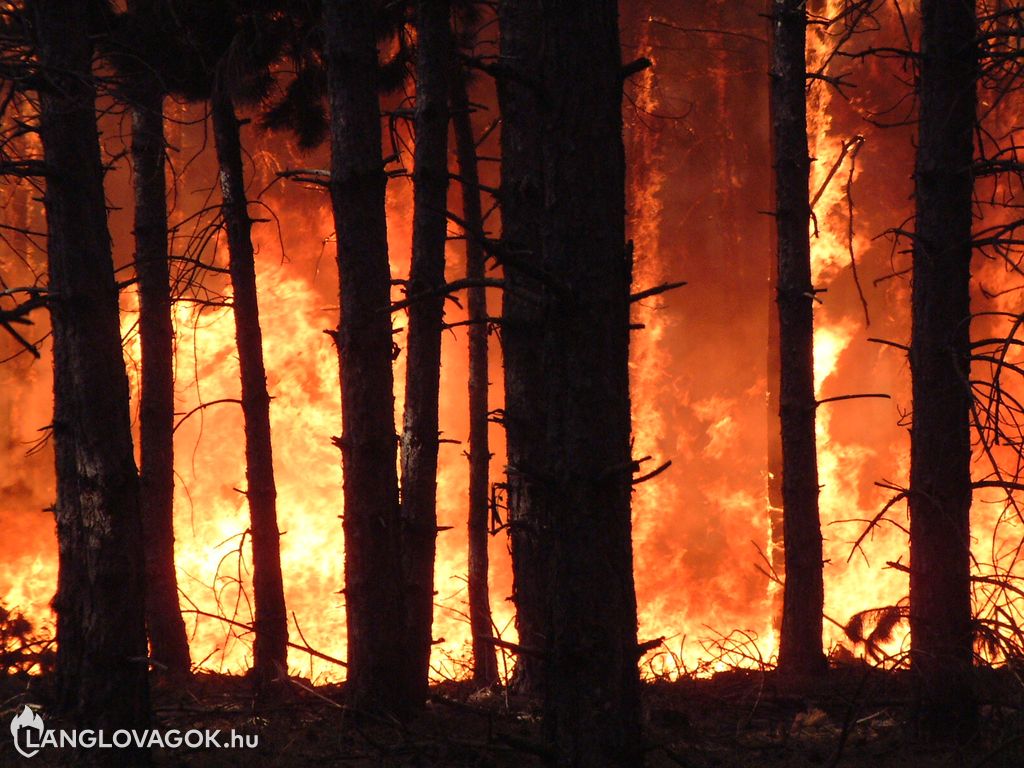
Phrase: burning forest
pixel 452 383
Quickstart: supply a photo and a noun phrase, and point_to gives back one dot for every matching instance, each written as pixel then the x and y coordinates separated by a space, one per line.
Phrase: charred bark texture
pixel 419 445
pixel 485 661
pixel 522 201
pixel 167 637
pixel 101 632
pixel 800 649
pixel 940 455
pixel 592 706
pixel 378 655
pixel 270 645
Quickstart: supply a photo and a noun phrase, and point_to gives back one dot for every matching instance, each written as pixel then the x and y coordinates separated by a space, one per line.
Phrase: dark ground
pixel 856 718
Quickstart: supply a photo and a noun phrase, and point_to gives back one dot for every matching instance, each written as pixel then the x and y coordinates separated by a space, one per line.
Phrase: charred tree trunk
pixel 940 453
pixel 485 661
pixel 378 666
pixel 101 631
pixel 167 638
pixel 270 646
pixel 522 200
pixel 592 697
pixel 800 649
pixel 426 314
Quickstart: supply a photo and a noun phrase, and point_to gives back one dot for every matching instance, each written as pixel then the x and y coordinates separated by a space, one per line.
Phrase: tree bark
pixel 485 661
pixel 592 696
pixel 940 454
pixel 167 637
pixel 800 649
pixel 419 444
pixel 101 633
pixel 378 671
pixel 522 199
pixel 270 646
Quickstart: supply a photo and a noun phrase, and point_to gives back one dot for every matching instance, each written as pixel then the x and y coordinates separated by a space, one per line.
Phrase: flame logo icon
pixel 27 720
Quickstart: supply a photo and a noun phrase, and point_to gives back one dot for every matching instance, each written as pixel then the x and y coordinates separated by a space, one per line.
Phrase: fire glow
pixel 698 397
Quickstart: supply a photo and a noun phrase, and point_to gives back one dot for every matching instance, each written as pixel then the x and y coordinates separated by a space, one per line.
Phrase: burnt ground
pixel 857 717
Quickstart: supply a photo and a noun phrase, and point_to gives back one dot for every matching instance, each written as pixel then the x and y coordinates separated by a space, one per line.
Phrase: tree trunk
pixel 940 454
pixel 270 646
pixel 592 697
pixel 378 671
pixel 426 314
pixel 485 661
pixel 167 638
pixel 800 648
pixel 522 198
pixel 101 632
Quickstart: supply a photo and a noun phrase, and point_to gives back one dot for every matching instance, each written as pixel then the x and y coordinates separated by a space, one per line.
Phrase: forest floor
pixel 855 718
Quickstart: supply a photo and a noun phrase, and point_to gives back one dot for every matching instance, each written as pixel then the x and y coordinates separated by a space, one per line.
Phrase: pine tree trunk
pixel 485 662
pixel 592 697
pixel 378 671
pixel 168 641
pixel 426 314
pixel 270 645
pixel 940 456
pixel 800 650
pixel 101 633
pixel 522 199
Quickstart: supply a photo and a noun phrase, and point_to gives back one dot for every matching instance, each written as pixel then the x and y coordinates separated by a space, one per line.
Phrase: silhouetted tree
pixel 800 640
pixel 101 633
pixel 144 92
pixel 270 645
pixel 940 457
pixel 592 687
pixel 522 200
pixel 485 662
pixel 426 313
pixel 380 674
